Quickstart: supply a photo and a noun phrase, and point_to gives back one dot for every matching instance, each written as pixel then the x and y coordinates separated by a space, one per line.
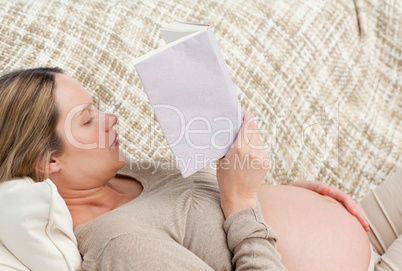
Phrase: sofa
pixel 323 80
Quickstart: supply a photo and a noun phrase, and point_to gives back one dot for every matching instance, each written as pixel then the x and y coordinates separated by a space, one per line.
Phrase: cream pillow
pixel 36 228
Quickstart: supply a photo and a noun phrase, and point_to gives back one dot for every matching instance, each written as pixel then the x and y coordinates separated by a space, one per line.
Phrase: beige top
pixel 176 224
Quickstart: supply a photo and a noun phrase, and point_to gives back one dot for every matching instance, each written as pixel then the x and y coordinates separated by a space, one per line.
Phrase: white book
pixel 178 29
pixel 189 87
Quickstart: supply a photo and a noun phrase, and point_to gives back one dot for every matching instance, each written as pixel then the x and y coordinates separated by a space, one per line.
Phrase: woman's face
pixel 91 154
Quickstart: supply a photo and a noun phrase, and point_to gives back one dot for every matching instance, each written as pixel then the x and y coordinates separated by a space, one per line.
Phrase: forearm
pixel 252 241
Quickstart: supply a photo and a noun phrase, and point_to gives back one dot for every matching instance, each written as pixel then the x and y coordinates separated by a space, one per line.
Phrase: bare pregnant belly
pixel 315 232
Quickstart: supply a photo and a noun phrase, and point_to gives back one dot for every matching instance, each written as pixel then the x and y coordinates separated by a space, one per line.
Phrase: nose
pixel 111 120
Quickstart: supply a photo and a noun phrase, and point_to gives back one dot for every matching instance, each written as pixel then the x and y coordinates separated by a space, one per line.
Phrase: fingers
pixel 359 215
pixel 244 134
pixel 348 203
pixel 342 197
pixel 249 133
pixel 338 195
pixel 315 186
pixel 247 117
pixel 238 186
pixel 325 190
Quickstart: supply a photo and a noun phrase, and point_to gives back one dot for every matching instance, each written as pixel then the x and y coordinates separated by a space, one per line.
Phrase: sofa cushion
pixel 36 229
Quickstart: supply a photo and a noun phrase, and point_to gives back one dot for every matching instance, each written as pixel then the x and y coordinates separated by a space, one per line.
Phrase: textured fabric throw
pixel 322 78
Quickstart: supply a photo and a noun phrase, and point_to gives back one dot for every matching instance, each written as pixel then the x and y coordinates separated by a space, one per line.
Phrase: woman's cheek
pixel 85 140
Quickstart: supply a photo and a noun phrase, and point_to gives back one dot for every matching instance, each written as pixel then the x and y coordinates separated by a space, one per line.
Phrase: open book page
pixel 194 100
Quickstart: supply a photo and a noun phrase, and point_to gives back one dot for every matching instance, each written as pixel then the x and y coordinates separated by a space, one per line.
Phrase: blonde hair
pixel 28 120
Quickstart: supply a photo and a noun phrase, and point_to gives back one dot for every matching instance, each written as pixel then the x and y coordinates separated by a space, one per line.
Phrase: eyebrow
pixel 87 107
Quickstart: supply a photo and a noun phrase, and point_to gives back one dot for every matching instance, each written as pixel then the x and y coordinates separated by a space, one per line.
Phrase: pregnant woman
pixel 142 215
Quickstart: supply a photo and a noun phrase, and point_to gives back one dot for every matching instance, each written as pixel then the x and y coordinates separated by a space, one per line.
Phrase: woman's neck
pixel 99 196
pixel 85 205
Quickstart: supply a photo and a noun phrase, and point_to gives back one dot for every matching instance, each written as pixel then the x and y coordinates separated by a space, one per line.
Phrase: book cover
pixel 189 87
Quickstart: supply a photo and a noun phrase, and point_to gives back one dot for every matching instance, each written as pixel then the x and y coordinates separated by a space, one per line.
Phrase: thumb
pixel 247 124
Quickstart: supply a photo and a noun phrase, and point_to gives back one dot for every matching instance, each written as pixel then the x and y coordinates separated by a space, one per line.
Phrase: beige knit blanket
pixel 323 78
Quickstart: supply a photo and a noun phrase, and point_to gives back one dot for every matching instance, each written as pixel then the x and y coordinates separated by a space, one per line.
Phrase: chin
pixel 122 158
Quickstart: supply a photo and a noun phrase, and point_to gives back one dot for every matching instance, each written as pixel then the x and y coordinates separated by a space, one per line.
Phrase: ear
pixel 54 166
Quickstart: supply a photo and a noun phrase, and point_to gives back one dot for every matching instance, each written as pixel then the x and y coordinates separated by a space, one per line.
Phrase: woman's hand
pixel 241 171
pixel 336 194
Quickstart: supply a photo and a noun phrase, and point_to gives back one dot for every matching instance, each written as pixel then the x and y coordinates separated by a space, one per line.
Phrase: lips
pixel 115 143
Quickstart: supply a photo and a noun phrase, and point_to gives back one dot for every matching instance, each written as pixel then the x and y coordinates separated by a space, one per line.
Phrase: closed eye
pixel 89 121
